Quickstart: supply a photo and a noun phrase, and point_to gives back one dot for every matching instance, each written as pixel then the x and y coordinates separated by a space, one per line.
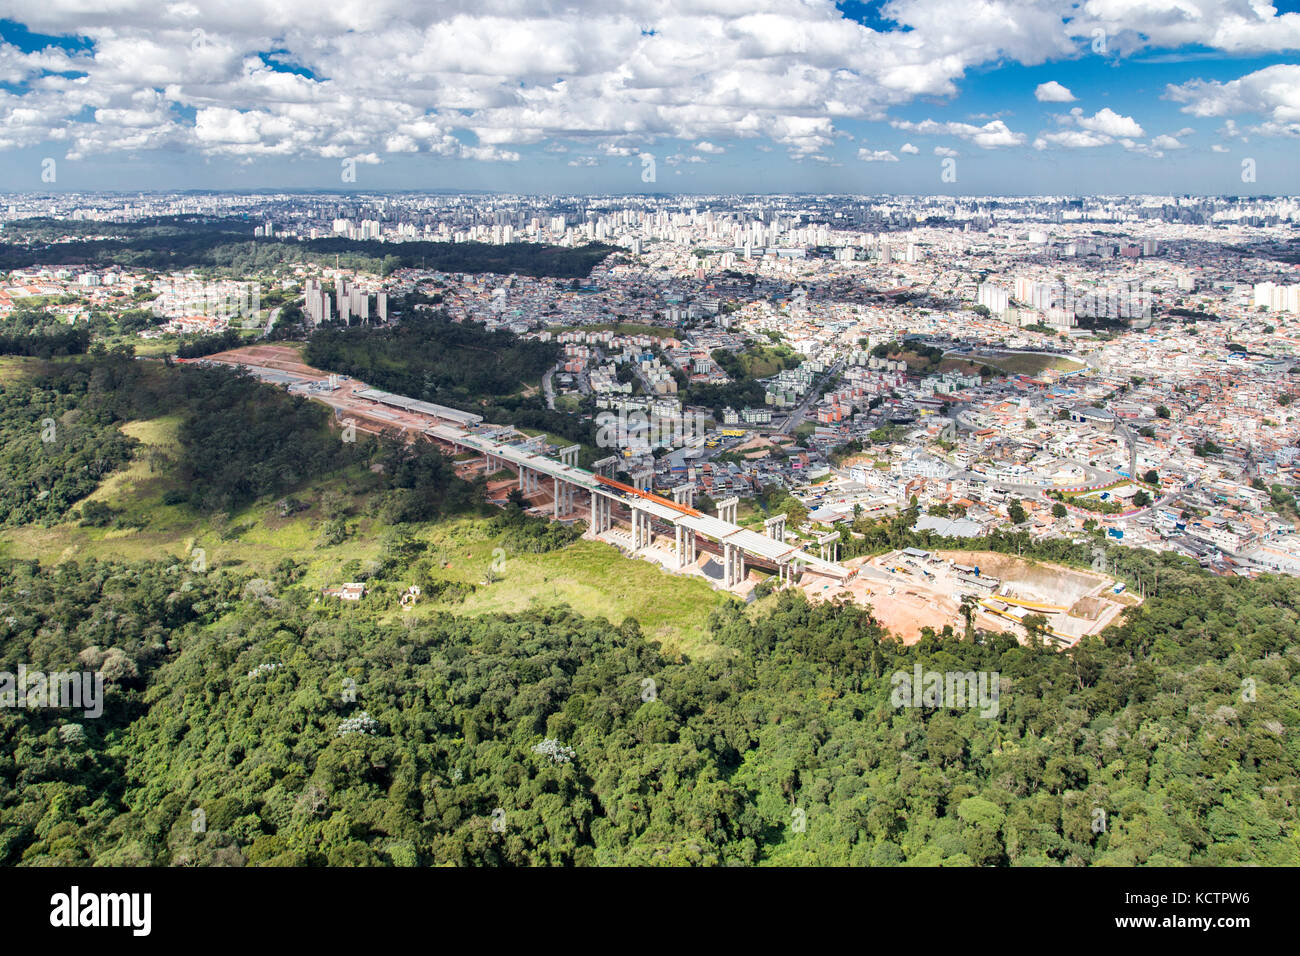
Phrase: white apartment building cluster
pixel 350 301
pixel 1277 297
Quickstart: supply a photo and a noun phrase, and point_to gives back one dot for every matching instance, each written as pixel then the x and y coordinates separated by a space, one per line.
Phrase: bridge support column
pixel 727 510
pixel 733 561
pixel 680 530
pixel 685 495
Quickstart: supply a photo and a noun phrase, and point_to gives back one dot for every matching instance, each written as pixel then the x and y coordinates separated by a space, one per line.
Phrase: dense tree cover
pixel 522 258
pixel 242 439
pixel 521 532
pixel 309 732
pixel 239 439
pixel 460 364
pixel 421 483
pixel 58 440
pixel 717 396
pixel 198 346
pixel 227 246
pixel 40 334
pixel 126 322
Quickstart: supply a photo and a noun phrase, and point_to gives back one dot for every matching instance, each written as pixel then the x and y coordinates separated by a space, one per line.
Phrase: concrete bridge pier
pixel 685 545
pixel 563 497
pixel 641 533
pixel 733 562
pixel 685 495
pixel 830 545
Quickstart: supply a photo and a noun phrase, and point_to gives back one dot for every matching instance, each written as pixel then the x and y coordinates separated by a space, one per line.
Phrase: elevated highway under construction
pixel 571 491
pixel 645 512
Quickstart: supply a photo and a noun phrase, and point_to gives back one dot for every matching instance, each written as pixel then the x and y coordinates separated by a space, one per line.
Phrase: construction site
pixel 911 589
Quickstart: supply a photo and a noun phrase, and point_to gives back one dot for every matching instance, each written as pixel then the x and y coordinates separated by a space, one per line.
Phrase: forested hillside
pixel 37 333
pixel 495 374
pixel 311 733
pixel 227 246
pixel 60 434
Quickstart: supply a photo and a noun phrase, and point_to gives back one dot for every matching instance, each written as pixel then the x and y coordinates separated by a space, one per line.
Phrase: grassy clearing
pixel 764 361
pixel 960 366
pixel 593 578
pixel 1025 363
pixel 16 369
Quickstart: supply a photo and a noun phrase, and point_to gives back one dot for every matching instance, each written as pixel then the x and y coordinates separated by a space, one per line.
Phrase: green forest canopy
pixel 496 374
pixel 228 246
pixel 60 434
pixel 229 696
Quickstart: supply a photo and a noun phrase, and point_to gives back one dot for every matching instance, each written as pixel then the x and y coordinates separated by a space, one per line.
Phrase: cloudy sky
pixel 1002 96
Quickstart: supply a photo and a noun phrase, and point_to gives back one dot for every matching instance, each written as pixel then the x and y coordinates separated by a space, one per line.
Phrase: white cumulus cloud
pixel 1053 92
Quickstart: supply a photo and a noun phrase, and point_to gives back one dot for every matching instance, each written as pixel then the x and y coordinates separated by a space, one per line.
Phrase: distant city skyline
pixel 903 97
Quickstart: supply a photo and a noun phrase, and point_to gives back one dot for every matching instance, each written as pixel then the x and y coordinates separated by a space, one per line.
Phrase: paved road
pixel 795 418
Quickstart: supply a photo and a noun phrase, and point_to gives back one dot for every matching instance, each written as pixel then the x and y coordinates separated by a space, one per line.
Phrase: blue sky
pixel 1007 96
